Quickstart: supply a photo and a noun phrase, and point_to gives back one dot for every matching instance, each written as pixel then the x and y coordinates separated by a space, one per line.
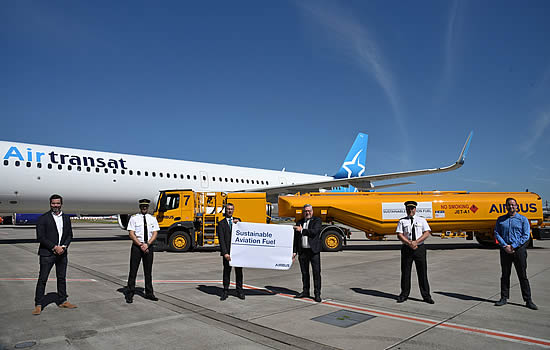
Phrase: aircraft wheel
pixel 180 241
pixel 332 241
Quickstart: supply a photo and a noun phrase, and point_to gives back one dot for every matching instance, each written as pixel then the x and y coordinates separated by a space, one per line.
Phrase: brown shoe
pixel 67 305
pixel 37 310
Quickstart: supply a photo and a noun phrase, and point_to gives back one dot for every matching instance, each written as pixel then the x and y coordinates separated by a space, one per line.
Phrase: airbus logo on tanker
pixel 522 208
pixel 59 158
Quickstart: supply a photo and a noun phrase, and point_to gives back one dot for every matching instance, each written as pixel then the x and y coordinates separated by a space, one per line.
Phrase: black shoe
pixel 317 298
pixel 129 299
pixel 151 297
pixel 224 295
pixel 429 301
pixel 501 302
pixel 531 305
pixel 240 295
pixel 302 295
pixel 401 298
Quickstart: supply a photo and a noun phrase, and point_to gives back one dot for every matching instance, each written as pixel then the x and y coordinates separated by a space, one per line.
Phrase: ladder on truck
pixel 208 207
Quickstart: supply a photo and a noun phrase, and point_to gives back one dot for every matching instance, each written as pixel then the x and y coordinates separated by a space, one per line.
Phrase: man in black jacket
pixel 307 243
pixel 54 233
pixel 224 234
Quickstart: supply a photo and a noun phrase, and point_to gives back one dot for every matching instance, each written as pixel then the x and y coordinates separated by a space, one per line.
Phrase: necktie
pixel 230 222
pixel 145 234
pixel 413 233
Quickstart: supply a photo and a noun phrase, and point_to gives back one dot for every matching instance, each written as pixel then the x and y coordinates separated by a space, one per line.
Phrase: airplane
pixel 94 182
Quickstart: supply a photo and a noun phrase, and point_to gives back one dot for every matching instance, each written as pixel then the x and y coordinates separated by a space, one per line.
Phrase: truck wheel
pixel 180 241
pixel 332 241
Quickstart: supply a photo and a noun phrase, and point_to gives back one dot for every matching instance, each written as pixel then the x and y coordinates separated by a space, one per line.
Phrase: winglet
pixel 465 149
pixel 354 163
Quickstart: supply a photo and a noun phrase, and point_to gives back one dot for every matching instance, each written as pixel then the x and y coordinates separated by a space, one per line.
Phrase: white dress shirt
pixel 420 226
pixel 305 239
pixel 59 223
pixel 136 224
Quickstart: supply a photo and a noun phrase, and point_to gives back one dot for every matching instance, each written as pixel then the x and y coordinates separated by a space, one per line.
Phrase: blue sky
pixel 275 84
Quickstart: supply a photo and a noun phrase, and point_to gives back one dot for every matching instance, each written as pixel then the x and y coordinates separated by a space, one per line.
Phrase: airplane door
pixel 282 180
pixel 204 179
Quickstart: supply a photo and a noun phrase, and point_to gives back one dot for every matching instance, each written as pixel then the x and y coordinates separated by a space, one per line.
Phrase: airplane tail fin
pixel 354 164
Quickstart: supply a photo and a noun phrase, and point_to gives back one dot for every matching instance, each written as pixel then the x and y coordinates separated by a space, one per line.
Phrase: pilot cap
pixel 144 202
pixel 411 204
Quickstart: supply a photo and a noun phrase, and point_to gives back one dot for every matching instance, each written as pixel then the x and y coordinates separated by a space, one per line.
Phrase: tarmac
pixel 359 289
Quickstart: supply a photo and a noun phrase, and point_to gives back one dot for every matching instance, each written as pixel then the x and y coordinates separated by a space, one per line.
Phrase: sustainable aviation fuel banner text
pixel 396 211
pixel 261 246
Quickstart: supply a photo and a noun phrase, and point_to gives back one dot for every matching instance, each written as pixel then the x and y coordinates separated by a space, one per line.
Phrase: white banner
pixel 261 246
pixel 396 211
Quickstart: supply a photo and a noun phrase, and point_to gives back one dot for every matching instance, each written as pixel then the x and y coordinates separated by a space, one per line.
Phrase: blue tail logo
pixel 354 164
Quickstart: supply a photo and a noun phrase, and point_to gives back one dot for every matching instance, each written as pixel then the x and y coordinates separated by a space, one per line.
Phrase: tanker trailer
pixel 449 213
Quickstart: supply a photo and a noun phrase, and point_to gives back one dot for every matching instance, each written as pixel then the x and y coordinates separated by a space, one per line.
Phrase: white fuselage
pixel 110 183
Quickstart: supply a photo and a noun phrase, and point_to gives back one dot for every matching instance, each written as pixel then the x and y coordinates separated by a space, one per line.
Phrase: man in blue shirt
pixel 512 232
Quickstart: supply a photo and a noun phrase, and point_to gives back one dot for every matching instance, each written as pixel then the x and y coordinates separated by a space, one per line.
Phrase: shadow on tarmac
pixel 377 293
pixel 50 298
pixel 215 290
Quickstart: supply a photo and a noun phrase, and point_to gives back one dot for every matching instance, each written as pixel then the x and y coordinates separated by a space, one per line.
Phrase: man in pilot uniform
pixel 413 230
pixel 143 229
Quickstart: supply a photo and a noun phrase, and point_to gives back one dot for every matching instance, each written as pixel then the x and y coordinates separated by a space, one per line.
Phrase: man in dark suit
pixel 307 243
pixel 54 232
pixel 224 235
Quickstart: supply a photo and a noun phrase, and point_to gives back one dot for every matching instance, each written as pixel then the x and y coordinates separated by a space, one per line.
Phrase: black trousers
pixel 418 255
pixel 136 255
pixel 519 259
pixel 46 264
pixel 306 257
pixel 227 275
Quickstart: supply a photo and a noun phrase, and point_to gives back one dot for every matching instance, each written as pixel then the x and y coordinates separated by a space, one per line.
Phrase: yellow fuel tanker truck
pixel 449 213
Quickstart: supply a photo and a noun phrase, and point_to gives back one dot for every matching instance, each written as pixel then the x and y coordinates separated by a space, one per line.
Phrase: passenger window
pixel 39 165
pixel 60 167
pixel 188 177
pixel 146 173
pixel 106 170
pixel 194 177
pixel 168 175
pixel 138 173
pixel 50 166
pixel 79 168
pixel 17 163
pixel 114 171
pixel 160 174
pixel 122 172
pixel 88 169
pixel 97 170
pixel 131 172
pixel 6 162
pixel 153 174
pixel 69 167
pixel 28 164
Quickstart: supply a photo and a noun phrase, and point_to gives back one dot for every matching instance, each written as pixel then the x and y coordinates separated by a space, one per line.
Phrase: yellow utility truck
pixel 189 219
pixel 449 213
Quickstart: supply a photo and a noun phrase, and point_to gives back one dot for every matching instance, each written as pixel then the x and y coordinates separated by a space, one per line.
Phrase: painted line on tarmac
pixel 49 279
pixel 518 338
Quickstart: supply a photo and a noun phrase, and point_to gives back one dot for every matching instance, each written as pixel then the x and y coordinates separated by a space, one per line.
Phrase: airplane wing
pixel 365 182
